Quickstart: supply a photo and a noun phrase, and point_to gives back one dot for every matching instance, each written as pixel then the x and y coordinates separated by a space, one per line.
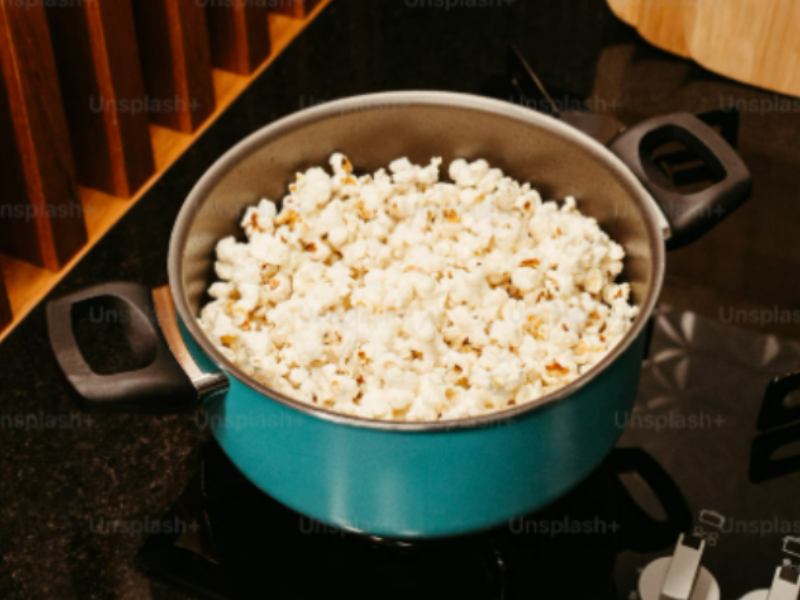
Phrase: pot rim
pixel 656 224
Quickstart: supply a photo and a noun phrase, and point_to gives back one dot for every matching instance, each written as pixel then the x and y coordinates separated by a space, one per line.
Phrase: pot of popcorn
pixel 412 314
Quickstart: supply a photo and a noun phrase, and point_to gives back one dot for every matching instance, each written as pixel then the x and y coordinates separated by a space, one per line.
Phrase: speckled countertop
pixel 65 474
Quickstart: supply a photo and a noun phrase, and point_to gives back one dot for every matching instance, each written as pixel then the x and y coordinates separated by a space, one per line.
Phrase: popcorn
pixel 396 296
pixel 467 174
pixel 313 190
pixel 259 219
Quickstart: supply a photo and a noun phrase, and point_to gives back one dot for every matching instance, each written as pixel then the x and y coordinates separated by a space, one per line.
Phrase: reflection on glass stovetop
pixel 715 409
pixel 706 454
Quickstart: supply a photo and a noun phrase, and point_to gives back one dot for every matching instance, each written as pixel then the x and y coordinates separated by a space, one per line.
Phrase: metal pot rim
pixel 655 221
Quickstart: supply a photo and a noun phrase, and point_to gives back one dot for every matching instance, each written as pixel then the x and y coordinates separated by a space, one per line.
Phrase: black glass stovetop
pixel 710 451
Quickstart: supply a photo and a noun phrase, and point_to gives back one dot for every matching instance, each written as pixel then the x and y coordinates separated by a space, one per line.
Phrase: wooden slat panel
pixel 5 306
pixel 239 35
pixel 298 9
pixel 176 60
pixel 18 233
pixel 101 81
pixel 27 284
pixel 45 225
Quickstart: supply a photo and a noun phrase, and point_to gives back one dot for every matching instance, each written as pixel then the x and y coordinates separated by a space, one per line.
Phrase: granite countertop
pixel 65 475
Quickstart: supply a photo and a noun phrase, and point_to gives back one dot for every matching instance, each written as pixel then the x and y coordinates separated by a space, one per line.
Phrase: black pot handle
pixel 689 215
pixel 160 387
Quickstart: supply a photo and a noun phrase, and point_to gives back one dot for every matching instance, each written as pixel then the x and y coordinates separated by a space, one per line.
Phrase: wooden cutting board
pixel 753 41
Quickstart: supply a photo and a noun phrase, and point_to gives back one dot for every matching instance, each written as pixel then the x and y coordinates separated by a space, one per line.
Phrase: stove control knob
pixel 785 586
pixel 679 577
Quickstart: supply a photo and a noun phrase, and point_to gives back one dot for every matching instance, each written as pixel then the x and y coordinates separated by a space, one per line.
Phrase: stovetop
pixel 729 437
pixel 691 461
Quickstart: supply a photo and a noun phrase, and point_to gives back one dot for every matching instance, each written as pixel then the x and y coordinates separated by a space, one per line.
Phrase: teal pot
pixel 397 479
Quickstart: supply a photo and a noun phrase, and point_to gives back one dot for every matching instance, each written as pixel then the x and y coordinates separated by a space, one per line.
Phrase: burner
pixel 240 543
